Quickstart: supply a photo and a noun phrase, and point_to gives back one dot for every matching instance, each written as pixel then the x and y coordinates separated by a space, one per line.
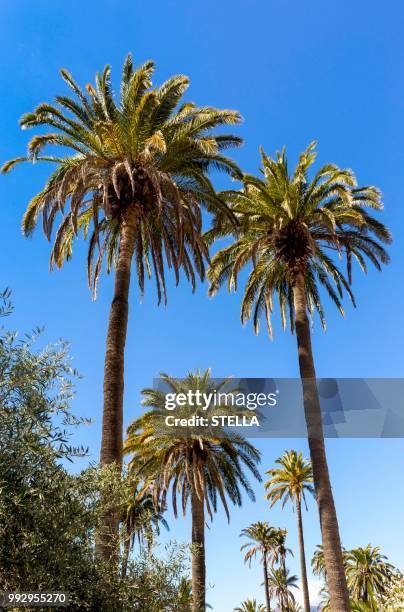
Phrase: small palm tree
pixel 263 541
pixel 291 482
pixel 204 466
pixel 368 574
pixel 280 550
pixel 289 227
pixel 140 520
pixel 133 173
pixel 250 605
pixel 281 585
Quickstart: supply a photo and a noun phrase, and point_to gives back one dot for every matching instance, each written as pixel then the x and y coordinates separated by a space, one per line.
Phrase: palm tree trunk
pixel 198 553
pixel 266 585
pixel 303 569
pixel 112 420
pixel 339 598
pixel 284 594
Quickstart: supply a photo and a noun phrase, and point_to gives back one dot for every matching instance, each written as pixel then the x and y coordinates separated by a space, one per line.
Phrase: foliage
pixel 250 605
pixel 48 515
pixel 393 597
pixel 139 514
pixel 146 152
pixel 368 573
pixel 288 223
pixel 372 580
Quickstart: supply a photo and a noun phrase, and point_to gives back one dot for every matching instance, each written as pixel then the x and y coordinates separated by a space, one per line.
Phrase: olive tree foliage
pixel 48 513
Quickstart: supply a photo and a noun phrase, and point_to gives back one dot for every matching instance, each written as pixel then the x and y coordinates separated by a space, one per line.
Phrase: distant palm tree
pixel 135 172
pixel 368 574
pixel 262 540
pixel 281 585
pixel 281 551
pixel 203 466
pixel 290 482
pixel 289 227
pixel 140 520
pixel 250 605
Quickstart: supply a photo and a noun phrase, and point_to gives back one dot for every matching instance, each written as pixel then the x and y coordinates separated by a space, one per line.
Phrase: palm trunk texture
pixel 339 598
pixel 303 569
pixel 267 597
pixel 198 554
pixel 112 429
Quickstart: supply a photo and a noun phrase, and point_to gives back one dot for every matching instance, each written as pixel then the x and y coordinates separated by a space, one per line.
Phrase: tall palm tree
pixel 250 605
pixel 289 227
pixel 281 585
pixel 262 540
pixel 140 520
pixel 201 465
pixel 368 574
pixel 134 176
pixel 291 481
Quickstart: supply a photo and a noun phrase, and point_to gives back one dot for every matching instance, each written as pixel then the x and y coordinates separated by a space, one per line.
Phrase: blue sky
pixel 297 72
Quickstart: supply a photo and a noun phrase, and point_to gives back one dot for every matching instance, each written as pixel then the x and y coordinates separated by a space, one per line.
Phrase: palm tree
pixel 201 465
pixel 262 540
pixel 134 177
pixel 290 482
pixel 368 574
pixel 280 585
pixel 288 228
pixel 250 605
pixel 281 551
pixel 140 520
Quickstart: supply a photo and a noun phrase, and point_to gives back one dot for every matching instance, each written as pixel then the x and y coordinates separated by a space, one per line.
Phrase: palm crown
pixel 368 572
pixel 143 148
pixel 290 481
pixel 291 224
pixel 211 463
pixel 250 605
pixel 262 539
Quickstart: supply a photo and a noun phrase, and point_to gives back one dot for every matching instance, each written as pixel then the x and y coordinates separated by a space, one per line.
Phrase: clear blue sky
pixel 297 71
